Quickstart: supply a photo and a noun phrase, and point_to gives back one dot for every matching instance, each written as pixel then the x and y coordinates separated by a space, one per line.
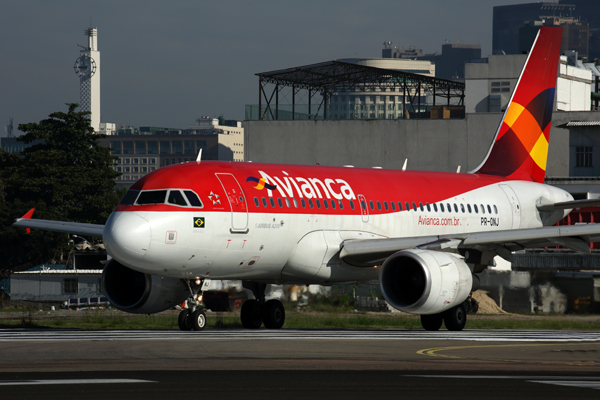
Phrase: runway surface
pixel 231 363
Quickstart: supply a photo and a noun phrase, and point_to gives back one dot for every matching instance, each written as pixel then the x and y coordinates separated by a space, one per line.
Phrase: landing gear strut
pixel 256 312
pixel 194 317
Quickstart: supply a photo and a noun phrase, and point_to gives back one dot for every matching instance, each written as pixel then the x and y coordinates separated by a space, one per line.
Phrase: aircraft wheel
pixel 185 320
pixel 250 315
pixel 273 314
pixel 432 322
pixel 198 319
pixel 455 318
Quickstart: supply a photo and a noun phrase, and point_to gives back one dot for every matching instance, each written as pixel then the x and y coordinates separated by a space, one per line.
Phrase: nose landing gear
pixel 194 317
pixel 257 312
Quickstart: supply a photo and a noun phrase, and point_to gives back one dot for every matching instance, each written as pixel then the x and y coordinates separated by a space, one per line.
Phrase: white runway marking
pixel 572 381
pixel 11 335
pixel 70 382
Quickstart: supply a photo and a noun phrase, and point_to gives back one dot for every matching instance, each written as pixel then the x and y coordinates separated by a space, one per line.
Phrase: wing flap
pixel 373 251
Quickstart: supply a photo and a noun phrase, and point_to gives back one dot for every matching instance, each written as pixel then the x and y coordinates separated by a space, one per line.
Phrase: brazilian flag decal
pixel 198 222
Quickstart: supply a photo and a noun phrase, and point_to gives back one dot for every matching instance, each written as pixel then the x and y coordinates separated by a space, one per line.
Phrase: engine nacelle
pixel 425 281
pixel 138 293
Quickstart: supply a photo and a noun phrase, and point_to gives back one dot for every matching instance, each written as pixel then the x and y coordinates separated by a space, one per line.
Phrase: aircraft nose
pixel 127 236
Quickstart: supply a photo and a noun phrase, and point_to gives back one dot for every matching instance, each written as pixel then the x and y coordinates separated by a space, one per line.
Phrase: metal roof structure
pixel 331 77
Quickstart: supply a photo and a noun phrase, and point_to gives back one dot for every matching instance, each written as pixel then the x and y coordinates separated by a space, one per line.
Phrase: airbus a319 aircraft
pixel 423 236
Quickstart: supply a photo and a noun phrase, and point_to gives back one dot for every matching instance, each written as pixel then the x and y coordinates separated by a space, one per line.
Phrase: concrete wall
pixel 433 145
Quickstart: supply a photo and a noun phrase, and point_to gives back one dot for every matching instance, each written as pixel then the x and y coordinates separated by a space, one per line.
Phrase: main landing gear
pixel 194 317
pixel 256 312
pixel 455 318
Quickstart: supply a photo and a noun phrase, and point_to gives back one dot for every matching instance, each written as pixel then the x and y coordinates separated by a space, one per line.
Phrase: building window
pixel 127 147
pixel 188 147
pixel 176 146
pixel 495 103
pixel 116 147
pixel 583 156
pixel 71 285
pixel 152 147
pixel 165 147
pixel 140 147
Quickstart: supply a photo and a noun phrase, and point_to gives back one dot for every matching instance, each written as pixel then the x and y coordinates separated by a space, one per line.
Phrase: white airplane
pixel 422 235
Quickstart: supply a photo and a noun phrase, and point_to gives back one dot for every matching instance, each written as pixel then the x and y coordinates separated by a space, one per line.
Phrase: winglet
pixel 28 216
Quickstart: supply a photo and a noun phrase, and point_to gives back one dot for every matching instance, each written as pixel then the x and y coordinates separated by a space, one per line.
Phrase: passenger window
pixel 393 205
pixel 462 207
pixel 421 207
pixel 434 207
pixel 489 209
pixel 333 204
pixel 385 205
pixel 442 207
pixel 280 202
pixel 287 202
pixel 318 203
pixel 152 197
pixel 495 209
pixel 469 208
pixel 256 202
pixel 378 205
pixel 476 209
pixel 414 206
pixel 129 198
pixel 455 208
pixel 399 206
pixel 351 205
pixel 448 207
pixel 303 203
pixel 295 203
pixel 310 203
pixel 264 201
pixel 175 197
pixel 362 204
pixel 482 209
pixel 325 204
pixel 428 207
pixel 272 201
pixel 371 204
pixel 342 204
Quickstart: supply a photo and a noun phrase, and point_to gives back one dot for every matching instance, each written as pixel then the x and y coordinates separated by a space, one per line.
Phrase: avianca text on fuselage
pixel 310 188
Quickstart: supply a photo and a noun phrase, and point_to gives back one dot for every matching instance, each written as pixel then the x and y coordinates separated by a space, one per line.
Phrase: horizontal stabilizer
pixel 565 205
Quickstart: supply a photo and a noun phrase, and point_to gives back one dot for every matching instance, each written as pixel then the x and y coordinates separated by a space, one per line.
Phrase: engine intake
pixel 135 292
pixel 425 281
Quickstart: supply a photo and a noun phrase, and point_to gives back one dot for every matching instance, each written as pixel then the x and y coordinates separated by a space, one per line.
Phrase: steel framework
pixel 331 77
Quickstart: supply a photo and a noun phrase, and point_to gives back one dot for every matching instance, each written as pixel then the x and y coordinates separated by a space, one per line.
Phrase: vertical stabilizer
pixel 520 147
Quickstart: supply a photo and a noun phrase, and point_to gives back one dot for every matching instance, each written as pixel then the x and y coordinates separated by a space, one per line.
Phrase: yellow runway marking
pixel 433 352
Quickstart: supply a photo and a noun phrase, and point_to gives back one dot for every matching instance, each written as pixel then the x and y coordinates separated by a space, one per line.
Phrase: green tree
pixel 66 175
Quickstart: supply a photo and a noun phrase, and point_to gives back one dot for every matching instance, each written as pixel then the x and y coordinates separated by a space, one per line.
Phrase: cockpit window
pixel 193 198
pixel 152 197
pixel 175 197
pixel 129 198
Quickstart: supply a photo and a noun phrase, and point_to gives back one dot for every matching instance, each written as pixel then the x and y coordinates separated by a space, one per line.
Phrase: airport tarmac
pixel 339 363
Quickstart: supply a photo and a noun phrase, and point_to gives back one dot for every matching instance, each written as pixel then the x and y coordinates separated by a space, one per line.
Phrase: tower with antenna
pixel 9 128
pixel 87 67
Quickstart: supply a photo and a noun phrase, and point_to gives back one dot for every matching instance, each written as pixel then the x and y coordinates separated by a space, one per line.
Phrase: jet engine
pixel 425 281
pixel 138 293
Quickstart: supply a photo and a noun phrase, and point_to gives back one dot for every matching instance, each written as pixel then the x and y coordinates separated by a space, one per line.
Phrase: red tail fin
pixel 520 148
pixel 28 215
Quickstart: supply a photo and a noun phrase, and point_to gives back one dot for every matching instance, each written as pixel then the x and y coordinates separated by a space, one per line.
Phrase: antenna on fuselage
pixel 199 158
pixel 458 170
pixel 404 166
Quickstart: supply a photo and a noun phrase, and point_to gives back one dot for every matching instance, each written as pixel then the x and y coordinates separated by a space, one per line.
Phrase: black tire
pixel 198 319
pixel 273 314
pixel 184 320
pixel 455 318
pixel 250 314
pixel 432 322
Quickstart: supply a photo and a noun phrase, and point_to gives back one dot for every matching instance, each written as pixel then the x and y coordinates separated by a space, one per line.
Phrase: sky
pixel 166 63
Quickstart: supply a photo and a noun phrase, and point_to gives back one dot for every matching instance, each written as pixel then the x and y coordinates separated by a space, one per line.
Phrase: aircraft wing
pixel 59 226
pixel 371 252
pixel 569 205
